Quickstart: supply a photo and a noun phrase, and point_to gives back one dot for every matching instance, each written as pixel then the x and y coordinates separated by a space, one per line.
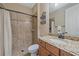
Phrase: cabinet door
pixel 52 49
pixel 43 52
pixel 41 43
pixel 63 53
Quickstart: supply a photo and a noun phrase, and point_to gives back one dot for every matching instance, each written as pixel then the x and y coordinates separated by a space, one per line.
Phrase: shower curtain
pixel 7 34
pixel 1 33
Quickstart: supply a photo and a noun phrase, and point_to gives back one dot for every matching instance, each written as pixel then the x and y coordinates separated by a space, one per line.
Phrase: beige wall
pixel 17 7
pixel 43 29
pixel 59 17
pixel 34 10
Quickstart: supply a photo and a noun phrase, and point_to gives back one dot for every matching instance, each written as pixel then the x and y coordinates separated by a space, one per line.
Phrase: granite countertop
pixel 67 45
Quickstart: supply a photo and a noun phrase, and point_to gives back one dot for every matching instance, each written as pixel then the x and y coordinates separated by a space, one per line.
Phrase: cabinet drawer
pixel 42 43
pixel 63 53
pixel 52 49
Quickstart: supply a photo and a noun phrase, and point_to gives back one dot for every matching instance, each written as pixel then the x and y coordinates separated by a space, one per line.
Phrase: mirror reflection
pixel 62 18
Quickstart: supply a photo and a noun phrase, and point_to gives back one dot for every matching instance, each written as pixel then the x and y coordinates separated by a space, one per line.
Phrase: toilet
pixel 33 49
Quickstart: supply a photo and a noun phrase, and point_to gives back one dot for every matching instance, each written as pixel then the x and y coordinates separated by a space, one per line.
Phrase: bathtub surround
pixel 21 26
pixel 21 33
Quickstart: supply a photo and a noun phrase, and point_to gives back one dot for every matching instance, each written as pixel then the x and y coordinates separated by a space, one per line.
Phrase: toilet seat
pixel 33 47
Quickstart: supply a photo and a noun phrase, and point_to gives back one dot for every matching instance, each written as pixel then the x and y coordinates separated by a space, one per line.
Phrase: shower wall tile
pixel 13 16
pixel 22 17
pixel 21 33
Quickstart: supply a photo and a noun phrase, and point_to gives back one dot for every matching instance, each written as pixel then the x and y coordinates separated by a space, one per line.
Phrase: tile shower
pixel 21 33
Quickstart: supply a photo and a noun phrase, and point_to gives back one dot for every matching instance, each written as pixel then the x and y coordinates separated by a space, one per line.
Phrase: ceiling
pixel 29 5
pixel 53 7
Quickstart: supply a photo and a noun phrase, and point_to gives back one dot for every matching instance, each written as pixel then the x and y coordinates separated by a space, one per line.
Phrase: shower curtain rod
pixel 17 12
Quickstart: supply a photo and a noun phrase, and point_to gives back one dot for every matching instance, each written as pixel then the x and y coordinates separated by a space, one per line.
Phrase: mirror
pixel 64 17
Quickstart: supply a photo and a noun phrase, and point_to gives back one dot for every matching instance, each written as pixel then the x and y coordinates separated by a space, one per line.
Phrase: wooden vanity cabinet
pixel 42 43
pixel 64 53
pixel 46 49
pixel 54 50
pixel 43 51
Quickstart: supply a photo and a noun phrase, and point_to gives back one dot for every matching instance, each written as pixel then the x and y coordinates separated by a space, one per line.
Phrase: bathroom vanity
pixel 47 49
pixel 53 46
